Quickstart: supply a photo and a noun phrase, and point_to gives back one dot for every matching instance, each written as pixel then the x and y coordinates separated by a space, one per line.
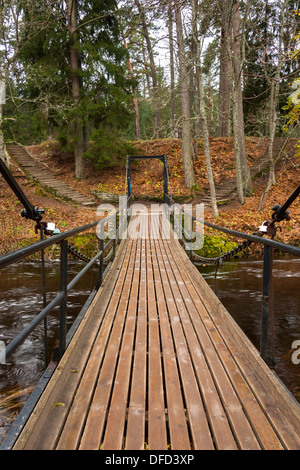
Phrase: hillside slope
pixel 147 182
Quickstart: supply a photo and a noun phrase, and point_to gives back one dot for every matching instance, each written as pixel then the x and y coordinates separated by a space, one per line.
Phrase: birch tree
pixel 10 30
pixel 282 53
pixel 3 12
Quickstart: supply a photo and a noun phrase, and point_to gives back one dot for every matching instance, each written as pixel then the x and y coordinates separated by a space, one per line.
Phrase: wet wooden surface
pixel 158 363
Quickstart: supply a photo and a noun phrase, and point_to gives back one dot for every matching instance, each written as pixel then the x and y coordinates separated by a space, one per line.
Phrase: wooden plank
pixel 216 413
pixel 157 432
pixel 135 432
pixel 178 430
pixel 74 358
pixel 115 426
pixel 200 431
pixel 250 385
pixel 94 426
pixel 74 425
pixel 225 401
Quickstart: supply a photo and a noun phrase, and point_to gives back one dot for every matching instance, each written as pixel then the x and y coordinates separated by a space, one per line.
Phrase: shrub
pixel 108 150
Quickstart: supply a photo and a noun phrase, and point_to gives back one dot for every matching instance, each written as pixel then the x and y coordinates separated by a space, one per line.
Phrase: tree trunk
pixel 78 129
pixel 274 98
pixel 237 150
pixel 185 107
pixel 242 170
pixel 224 86
pixel 194 80
pixel 206 147
pixel 152 68
pixel 2 146
pixel 135 100
pixel 172 71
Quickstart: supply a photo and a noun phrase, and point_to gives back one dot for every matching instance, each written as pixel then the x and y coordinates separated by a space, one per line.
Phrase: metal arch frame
pixel 162 158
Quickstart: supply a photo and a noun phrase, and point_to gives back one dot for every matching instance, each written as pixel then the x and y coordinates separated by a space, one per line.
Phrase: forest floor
pixel 147 182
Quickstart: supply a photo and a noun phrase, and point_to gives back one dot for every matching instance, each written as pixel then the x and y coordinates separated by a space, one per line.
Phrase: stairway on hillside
pixel 45 178
pixel 227 190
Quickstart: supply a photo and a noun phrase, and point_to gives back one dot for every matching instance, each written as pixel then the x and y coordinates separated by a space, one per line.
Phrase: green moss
pixel 215 245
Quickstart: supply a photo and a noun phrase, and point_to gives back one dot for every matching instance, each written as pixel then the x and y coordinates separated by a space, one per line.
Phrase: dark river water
pixel 21 300
pixel 239 286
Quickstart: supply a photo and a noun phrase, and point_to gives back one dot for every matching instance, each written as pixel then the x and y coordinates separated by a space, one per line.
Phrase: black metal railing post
pixel 166 188
pixel 267 301
pixel 63 304
pixel 101 249
pixel 44 296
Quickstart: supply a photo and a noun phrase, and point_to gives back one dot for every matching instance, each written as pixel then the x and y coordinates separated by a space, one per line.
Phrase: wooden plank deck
pixel 159 364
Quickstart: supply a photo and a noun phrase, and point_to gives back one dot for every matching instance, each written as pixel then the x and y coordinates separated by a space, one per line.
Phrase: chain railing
pixel 61 298
pixel 267 228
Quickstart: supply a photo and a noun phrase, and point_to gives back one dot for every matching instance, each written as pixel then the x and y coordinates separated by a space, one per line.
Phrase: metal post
pixel 191 236
pixel 166 201
pixel 128 177
pixel 101 248
pixel 44 298
pixel 63 288
pixel 267 301
pixel 114 246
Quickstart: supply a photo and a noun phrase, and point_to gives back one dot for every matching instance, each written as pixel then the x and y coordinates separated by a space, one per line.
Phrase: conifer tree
pixel 74 64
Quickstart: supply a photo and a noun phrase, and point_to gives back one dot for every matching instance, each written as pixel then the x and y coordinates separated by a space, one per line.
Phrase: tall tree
pixel 198 14
pixel 73 64
pixel 225 86
pixel 282 55
pixel 172 69
pixel 238 59
pixel 184 97
pixel 77 124
pixel 135 98
pixel 152 69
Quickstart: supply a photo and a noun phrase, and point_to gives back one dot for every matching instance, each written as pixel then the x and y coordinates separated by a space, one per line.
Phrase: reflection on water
pixel 21 300
pixel 239 287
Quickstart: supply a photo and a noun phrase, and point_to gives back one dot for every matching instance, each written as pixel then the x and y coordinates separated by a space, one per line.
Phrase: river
pixel 21 300
pixel 239 286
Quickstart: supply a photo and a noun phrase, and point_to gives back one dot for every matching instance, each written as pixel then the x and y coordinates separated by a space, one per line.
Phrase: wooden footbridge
pixel 155 362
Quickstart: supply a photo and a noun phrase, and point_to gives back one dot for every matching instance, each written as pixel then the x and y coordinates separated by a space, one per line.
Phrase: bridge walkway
pixel 158 363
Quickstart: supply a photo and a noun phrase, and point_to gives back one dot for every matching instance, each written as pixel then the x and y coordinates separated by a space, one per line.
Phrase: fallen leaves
pixel 147 182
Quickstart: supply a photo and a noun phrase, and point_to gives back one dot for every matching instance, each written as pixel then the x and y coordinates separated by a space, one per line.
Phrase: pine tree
pixel 74 62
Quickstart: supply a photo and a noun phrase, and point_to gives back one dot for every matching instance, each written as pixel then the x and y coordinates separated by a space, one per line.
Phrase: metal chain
pixel 224 256
pixel 85 258
pixel 77 254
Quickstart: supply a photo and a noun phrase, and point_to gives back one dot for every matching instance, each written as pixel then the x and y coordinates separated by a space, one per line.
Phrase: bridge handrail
pixel 291 249
pixel 267 313
pixel 21 253
pixel 61 238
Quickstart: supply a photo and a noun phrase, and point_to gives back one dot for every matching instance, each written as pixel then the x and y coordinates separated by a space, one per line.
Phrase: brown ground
pixel 146 182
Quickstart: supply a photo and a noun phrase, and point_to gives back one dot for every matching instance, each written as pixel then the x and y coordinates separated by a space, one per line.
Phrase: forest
pixel 97 75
